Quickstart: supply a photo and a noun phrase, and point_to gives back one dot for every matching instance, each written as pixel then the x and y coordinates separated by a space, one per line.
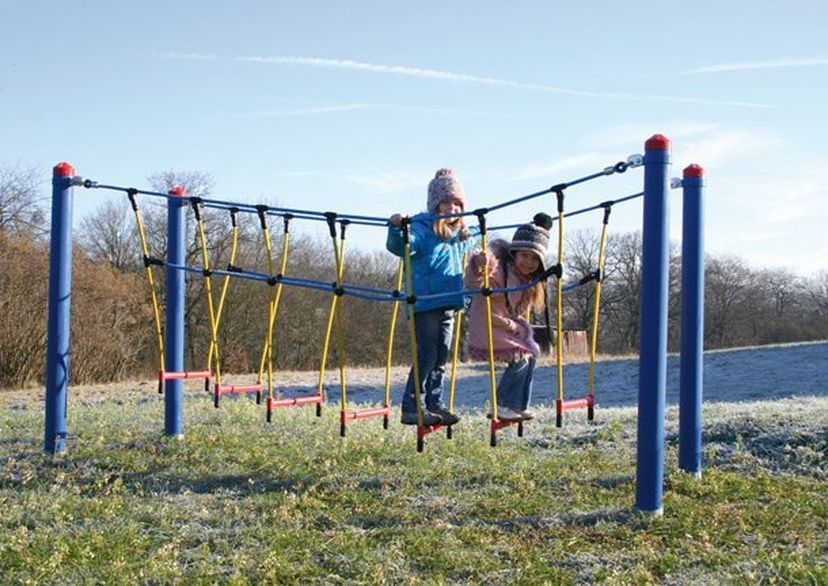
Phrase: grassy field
pixel 240 501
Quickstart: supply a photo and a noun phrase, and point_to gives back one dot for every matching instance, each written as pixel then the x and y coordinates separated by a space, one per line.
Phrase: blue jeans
pixel 434 331
pixel 515 388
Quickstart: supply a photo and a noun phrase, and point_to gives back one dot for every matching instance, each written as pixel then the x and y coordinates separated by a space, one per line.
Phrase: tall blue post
pixel 652 370
pixel 174 331
pixel 60 299
pixel 692 321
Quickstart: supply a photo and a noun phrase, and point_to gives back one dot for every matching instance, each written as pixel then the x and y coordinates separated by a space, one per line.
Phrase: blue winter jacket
pixel 436 266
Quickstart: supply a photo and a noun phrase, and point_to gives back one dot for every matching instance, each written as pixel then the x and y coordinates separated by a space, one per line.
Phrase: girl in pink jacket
pixel 511 264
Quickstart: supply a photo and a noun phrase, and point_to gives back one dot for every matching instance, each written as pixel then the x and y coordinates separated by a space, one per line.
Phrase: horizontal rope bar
pixel 577 212
pixel 632 161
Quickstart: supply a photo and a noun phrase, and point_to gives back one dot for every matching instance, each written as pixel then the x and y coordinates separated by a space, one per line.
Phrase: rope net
pixel 337 226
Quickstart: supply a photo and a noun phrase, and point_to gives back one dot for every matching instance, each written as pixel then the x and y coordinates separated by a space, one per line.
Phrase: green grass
pixel 242 501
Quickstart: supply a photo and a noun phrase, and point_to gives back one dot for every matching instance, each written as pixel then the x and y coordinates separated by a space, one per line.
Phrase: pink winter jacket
pixel 513 337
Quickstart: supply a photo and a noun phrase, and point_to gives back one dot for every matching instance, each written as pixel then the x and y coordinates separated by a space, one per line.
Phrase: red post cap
pixel 694 170
pixel 63 169
pixel 657 142
pixel 179 191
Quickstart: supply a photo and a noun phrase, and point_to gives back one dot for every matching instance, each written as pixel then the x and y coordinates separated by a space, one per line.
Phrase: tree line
pixel 112 331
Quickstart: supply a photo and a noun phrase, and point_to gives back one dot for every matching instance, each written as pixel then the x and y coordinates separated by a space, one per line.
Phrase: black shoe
pixel 507 414
pixel 447 416
pixel 429 418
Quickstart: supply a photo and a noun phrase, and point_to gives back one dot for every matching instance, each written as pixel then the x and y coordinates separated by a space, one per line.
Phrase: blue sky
pixel 352 106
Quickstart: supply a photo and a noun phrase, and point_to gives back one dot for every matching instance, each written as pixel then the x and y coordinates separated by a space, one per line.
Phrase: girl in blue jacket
pixel 437 247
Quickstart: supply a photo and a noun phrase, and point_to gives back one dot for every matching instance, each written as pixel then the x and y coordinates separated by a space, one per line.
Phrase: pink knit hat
pixel 444 187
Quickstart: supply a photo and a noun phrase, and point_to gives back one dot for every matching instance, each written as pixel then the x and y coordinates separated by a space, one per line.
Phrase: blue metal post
pixel 174 332
pixel 652 372
pixel 60 300
pixel 692 321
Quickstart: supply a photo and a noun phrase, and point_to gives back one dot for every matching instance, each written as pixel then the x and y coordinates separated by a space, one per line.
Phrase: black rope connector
pixel 556 270
pixel 396 293
pixel 231 268
pixel 339 291
pixel 481 219
pixel 207 272
pixel 261 209
pixel 287 218
pixel 620 167
pixel 342 225
pixel 196 203
pixel 486 291
pixel 234 212
pixel 404 225
pixel 151 260
pixel 131 193
pixel 331 218
pixel 607 205
pixel 587 278
pixel 89 184
pixel 559 195
pixel 274 280
pixel 411 299
pixel 599 275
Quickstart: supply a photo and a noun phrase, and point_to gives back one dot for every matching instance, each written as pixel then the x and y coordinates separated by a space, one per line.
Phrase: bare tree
pixel 196 183
pixel 109 234
pixel 20 208
pixel 622 293
pixel 817 291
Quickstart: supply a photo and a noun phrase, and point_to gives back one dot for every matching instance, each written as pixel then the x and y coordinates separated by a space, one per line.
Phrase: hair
pixel 536 292
pixel 445 228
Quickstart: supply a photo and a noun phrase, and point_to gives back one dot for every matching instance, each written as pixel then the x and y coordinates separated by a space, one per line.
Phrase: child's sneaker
pixel 446 416
pixel 526 414
pixel 506 414
pixel 429 418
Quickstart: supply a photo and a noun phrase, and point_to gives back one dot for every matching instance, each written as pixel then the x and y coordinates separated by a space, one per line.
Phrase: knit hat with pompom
pixel 533 237
pixel 444 187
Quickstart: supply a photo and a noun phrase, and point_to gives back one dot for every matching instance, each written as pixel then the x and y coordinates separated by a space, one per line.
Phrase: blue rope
pixel 578 212
pixel 353 218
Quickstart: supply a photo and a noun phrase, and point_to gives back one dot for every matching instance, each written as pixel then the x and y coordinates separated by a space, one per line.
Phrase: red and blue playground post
pixel 174 332
pixel 652 369
pixel 692 321
pixel 60 302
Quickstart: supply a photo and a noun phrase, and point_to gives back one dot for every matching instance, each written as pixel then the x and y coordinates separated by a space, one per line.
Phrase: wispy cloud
pixel 722 145
pixel 384 182
pixel 314 110
pixel 440 75
pixel 767 64
pixel 633 135
pixel 593 161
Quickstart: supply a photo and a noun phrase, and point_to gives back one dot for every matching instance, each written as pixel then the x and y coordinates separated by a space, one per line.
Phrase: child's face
pixel 527 263
pixel 453 206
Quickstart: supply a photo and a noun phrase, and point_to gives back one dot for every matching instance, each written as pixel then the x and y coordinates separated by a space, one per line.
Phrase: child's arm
pixel 395 244
pixel 474 269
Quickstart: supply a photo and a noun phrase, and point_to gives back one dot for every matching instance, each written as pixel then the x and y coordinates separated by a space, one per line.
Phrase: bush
pixel 111 331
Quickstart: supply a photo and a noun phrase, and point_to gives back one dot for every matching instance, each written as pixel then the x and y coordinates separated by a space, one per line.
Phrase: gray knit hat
pixel 533 237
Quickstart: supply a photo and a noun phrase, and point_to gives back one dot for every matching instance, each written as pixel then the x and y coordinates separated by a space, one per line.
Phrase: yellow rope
pixel 332 313
pixel 559 307
pixel 159 336
pixel 209 290
pixel 268 333
pixel 456 350
pixel 596 312
pixel 274 310
pixel 413 333
pixel 490 336
pixel 340 331
pixel 390 347
pixel 224 286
